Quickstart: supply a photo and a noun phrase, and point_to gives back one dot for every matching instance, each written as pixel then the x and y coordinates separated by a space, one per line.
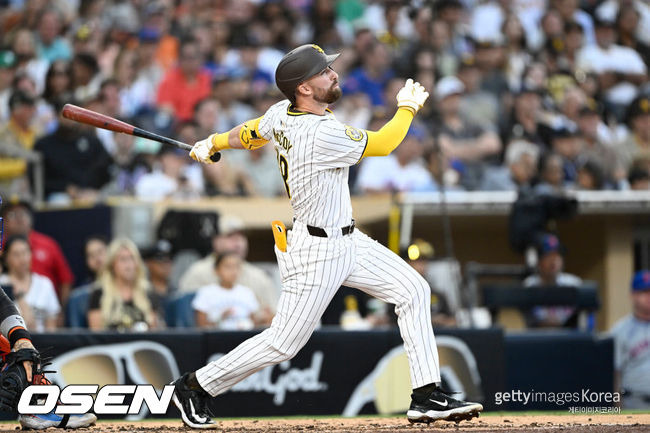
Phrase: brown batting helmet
pixel 300 64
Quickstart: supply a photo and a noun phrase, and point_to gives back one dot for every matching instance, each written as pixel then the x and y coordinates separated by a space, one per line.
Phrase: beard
pixel 328 96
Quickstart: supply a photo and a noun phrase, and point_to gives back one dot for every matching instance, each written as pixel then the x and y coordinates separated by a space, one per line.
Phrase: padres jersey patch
pixel 353 133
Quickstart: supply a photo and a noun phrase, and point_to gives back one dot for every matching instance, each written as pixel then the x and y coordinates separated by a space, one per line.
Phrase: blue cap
pixel 149 34
pixel 641 281
pixel 549 243
pixel 416 132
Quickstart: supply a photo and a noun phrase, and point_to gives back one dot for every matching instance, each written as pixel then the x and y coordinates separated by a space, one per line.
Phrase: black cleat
pixel 193 404
pixel 440 406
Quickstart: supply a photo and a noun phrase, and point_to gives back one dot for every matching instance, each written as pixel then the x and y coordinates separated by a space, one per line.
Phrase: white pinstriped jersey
pixel 314 155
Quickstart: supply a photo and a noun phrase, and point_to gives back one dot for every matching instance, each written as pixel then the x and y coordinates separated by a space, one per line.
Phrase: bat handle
pixel 215 157
pixel 166 140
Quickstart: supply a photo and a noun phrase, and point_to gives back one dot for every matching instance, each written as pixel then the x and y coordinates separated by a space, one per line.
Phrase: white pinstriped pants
pixel 312 270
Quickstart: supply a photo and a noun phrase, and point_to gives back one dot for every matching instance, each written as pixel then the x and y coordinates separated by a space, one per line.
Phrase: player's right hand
pixel 203 150
pixel 413 95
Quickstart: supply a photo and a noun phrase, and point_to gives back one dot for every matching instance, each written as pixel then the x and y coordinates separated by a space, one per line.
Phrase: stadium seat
pixel 179 312
pixel 77 308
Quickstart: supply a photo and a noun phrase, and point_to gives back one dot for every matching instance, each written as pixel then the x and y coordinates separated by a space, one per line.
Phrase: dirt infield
pixel 635 423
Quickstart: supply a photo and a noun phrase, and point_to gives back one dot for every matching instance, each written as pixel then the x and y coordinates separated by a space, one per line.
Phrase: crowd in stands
pixel 130 288
pixel 540 96
pixel 550 95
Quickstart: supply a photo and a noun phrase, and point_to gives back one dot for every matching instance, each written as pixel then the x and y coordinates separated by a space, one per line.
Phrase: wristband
pixel 18 334
pixel 220 142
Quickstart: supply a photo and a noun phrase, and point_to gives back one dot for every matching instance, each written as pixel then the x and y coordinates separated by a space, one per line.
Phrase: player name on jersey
pixel 281 140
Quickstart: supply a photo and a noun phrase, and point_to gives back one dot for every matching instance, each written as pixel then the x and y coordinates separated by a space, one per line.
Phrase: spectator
pixel 403 170
pixel 441 41
pixel 638 139
pixel 183 86
pixel 451 13
pixel 491 60
pixel 524 122
pixel 632 346
pixel 232 112
pixel 95 249
pixel 158 260
pixel 519 170
pixel 570 11
pixel 122 302
pixel 75 162
pixel 628 24
pixel 568 144
pixel 230 237
pixel 419 254
pixel 58 86
pixel 227 178
pixel 169 178
pixel 86 78
pixel 639 179
pixel 591 176
pixel 34 294
pixel 149 70
pixel 550 263
pixel 17 138
pixel 226 305
pixel 47 258
pixel 136 94
pixel 24 47
pixel 107 102
pixel 207 113
pixel 478 106
pixel 551 170
pixel 373 76
pixel 620 69
pixel 7 74
pixel 601 143
pixel 51 46
pixel 127 168
pixel 471 145
pixel 574 37
pixel 260 166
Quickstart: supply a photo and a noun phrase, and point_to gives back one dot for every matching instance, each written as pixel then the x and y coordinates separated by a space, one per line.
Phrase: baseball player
pixel 324 250
pixel 20 366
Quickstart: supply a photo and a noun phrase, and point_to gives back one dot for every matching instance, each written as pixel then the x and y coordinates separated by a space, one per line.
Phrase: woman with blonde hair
pixel 122 301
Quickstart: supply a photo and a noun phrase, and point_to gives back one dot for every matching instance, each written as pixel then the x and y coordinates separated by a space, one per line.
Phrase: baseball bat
pixel 99 120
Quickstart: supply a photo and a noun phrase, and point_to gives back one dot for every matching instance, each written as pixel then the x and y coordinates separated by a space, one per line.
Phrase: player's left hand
pixel 413 95
pixel 203 150
pixel 15 377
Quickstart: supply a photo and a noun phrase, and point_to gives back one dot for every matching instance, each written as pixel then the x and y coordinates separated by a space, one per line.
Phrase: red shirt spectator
pixel 184 86
pixel 48 260
pixel 47 257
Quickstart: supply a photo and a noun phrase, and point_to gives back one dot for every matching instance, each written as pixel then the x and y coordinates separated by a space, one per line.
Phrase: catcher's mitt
pixel 13 378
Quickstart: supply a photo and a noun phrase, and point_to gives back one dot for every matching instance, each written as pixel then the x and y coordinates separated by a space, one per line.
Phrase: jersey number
pixel 284 171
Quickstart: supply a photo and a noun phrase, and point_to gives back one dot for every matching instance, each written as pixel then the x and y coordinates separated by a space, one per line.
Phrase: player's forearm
pixel 384 141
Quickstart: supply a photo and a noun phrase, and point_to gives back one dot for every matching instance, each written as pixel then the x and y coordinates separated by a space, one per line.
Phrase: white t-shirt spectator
pixel 618 59
pixel 41 297
pixel 237 304
pixel 386 174
pixel 608 10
